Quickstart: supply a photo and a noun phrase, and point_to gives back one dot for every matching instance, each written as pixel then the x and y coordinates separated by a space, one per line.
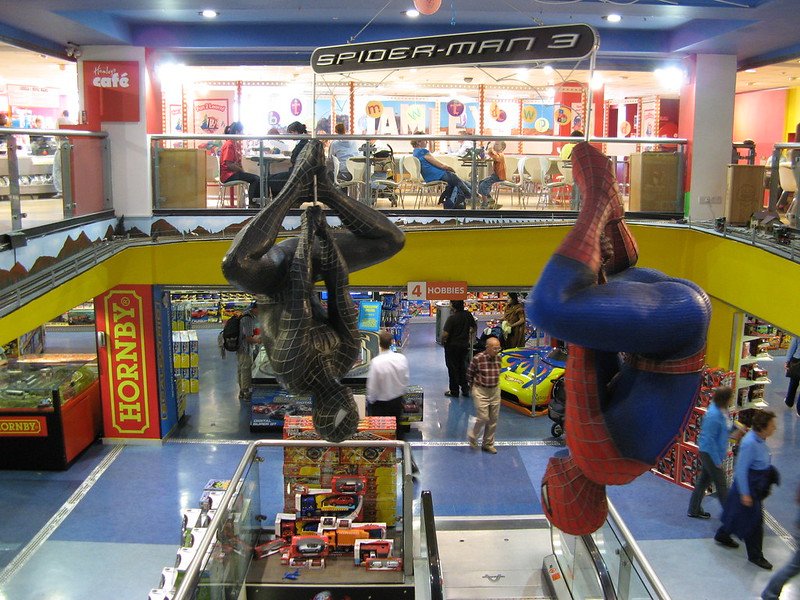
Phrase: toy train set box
pixel 340 470
pixel 268 411
pixel 413 404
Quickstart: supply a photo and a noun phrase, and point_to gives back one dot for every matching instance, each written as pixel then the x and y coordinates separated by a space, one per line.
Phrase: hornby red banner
pixel 111 90
pixel 23 427
pixel 128 363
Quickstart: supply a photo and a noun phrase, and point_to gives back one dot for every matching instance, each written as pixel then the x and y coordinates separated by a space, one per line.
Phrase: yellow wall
pixel 738 277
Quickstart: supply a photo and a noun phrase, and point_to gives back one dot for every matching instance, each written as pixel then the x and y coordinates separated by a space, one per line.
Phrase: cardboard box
pixel 689 466
pixel 744 194
pixel 654 182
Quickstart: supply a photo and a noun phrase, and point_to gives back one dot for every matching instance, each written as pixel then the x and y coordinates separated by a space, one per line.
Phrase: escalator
pixel 435 558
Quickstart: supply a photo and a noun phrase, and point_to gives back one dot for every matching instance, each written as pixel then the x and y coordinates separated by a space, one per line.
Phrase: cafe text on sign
pixel 437 290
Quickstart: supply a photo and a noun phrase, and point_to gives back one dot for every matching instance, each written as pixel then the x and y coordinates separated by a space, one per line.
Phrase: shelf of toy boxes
pixel 343 502
pixel 757 341
pixel 479 303
pixel 681 462
pixel 80 318
pixel 229 554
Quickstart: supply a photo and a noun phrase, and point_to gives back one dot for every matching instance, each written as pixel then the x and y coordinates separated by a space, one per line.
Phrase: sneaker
pixel 450 394
pixel 762 562
pixel 489 449
pixel 473 443
pixel 699 515
pixel 726 541
pixel 496 206
pixel 789 403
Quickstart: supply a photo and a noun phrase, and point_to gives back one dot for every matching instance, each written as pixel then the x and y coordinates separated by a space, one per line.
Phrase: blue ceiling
pixel 758 32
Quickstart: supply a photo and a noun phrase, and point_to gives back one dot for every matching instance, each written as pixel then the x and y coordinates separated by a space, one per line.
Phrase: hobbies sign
pixel 437 290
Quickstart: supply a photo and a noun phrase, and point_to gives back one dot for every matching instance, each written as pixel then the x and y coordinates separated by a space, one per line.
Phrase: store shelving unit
pixel 754 341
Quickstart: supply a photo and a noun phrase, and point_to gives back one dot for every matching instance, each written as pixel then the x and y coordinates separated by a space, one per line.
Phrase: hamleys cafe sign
pixel 129 378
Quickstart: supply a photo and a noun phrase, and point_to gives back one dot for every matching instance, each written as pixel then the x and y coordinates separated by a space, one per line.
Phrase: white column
pixel 130 156
pixel 712 134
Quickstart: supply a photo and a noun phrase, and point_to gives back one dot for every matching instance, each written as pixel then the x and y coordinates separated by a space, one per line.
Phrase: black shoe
pixel 699 515
pixel 465 394
pixel 726 541
pixel 762 562
pixel 450 394
pixel 789 403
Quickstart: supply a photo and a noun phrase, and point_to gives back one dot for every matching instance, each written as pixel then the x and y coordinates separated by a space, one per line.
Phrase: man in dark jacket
pixel 457 335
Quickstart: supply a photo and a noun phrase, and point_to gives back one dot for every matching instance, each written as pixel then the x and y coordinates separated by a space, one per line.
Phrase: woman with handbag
pixel 793 372
pixel 513 324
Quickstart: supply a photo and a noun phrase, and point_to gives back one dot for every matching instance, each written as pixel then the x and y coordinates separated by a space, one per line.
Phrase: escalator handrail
pixel 434 563
pixel 637 556
pixel 601 570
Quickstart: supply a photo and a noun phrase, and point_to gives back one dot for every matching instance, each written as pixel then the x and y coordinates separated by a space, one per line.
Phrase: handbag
pixel 794 368
pixel 505 326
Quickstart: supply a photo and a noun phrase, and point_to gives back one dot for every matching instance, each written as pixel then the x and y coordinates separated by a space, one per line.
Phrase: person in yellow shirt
pixel 566 149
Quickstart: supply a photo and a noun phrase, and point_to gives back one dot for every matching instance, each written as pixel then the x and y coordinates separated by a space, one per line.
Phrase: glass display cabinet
pixel 49 410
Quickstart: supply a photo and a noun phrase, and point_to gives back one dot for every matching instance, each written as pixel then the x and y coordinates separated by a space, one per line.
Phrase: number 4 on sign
pixel 417 290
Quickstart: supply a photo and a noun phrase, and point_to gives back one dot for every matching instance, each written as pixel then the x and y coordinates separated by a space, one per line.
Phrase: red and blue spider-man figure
pixel 636 350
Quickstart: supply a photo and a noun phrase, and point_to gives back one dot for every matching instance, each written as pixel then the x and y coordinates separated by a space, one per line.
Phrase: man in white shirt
pixel 387 381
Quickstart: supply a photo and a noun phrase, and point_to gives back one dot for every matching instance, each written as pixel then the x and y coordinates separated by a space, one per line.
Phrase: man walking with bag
pixel 793 372
pixel 248 338
pixel 483 376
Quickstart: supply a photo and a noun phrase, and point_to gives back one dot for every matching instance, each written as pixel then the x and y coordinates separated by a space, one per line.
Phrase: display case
pixel 49 410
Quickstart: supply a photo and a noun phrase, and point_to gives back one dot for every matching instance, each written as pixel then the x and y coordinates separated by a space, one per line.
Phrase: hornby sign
pixel 528 44
pixel 129 392
pixel 23 427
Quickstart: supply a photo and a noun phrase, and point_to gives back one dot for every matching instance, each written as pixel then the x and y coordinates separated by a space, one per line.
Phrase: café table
pixel 265 162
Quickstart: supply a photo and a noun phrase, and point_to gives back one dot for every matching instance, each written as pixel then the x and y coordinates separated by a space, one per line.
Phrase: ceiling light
pixel 671 78
pixel 412 13
pixel 547 69
pixel 749 70
pixel 209 13
pixel 597 81
pixel 613 18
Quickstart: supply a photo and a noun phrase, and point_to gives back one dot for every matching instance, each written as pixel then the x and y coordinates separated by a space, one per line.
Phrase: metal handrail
pixel 191 578
pixel 52 132
pixel 600 568
pixel 432 545
pixel 635 553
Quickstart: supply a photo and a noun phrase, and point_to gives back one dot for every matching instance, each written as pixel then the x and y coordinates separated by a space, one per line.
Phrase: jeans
pixel 776 583
pixel 454 184
pixel 708 473
pixel 485 186
pixel 254 189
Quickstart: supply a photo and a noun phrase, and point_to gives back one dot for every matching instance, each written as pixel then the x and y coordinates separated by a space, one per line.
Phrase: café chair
pixel 426 192
pixel 231 187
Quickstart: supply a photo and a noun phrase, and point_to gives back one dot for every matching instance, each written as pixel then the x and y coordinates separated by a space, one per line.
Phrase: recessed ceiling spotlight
pixel 547 69
pixel 613 18
pixel 412 13
pixel 749 70
pixel 209 13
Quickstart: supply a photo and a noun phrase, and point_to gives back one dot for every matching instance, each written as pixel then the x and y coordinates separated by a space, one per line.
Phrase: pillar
pixel 706 119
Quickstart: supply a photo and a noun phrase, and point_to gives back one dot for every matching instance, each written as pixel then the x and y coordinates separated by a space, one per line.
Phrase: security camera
pixel 467 79
pixel 73 50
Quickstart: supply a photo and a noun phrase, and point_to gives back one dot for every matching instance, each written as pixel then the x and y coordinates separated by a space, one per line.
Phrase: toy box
pixel 667 464
pixel 692 430
pixel 160 595
pixel 365 549
pixel 211 499
pixel 390 563
pixel 413 403
pixel 268 411
pixel 689 466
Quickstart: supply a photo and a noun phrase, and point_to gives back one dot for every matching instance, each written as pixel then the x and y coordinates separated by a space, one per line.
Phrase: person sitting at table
pixel 342 150
pixel 230 164
pixel 277 181
pixel 466 146
pixel 456 192
pixel 276 146
pixel 498 174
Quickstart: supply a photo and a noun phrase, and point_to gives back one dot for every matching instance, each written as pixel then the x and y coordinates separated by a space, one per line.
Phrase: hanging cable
pixel 353 39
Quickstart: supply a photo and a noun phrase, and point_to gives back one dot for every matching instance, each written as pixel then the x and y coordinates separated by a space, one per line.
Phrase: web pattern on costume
pixel 311 348
pixel 573 487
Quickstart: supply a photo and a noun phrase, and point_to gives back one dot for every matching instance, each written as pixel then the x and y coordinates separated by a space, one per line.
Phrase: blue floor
pixel 125 527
